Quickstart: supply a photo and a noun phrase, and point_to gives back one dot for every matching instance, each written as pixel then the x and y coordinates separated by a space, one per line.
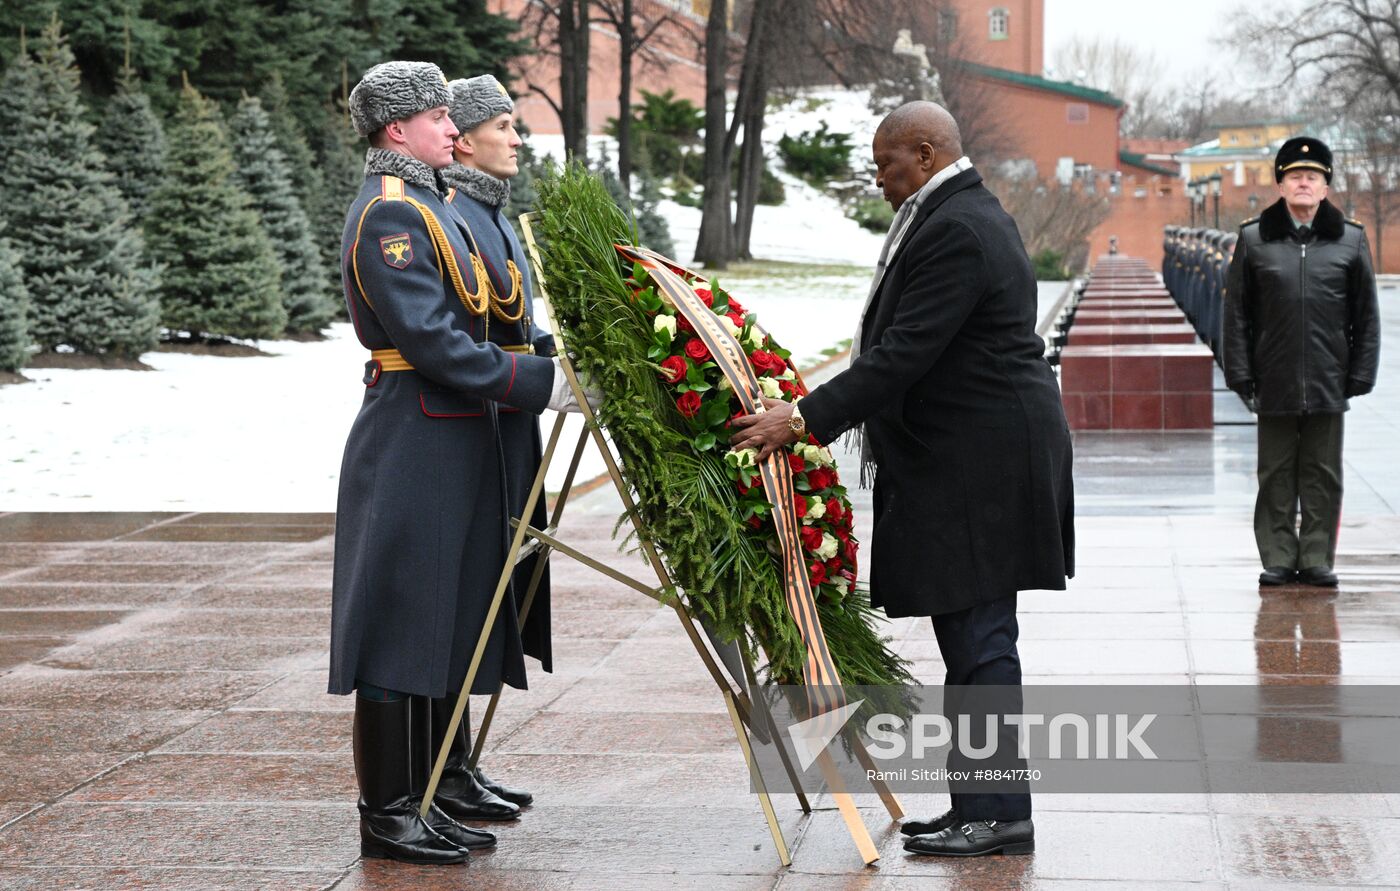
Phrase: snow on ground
pixel 809 227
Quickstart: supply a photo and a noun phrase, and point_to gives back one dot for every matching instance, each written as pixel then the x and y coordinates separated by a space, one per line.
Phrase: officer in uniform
pixel 423 512
pixel 1301 336
pixel 477 189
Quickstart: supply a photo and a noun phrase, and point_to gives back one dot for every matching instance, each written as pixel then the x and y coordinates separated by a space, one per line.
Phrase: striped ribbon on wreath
pixel 824 691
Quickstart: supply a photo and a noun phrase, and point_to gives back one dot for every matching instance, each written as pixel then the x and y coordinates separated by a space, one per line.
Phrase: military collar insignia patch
pixel 397 250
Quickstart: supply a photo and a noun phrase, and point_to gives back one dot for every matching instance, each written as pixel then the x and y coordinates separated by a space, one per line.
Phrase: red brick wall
pixel 1024 48
pixel 1038 123
pixel 677 65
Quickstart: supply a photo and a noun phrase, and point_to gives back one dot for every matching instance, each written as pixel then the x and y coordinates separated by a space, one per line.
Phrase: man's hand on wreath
pixel 766 431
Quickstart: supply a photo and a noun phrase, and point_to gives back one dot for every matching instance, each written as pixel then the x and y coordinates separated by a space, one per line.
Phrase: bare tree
pixel 1119 68
pixel 1370 163
pixel 637 24
pixel 1053 217
pixel 1351 48
pixel 761 55
pixel 561 30
pixel 851 42
pixel 715 244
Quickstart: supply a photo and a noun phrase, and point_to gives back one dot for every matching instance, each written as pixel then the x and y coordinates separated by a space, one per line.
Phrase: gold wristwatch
pixel 796 422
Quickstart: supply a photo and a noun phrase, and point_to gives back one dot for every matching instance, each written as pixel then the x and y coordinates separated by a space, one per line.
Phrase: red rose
pixel 742 487
pixel 819 478
pixel 705 295
pixel 850 551
pixel 674 369
pixel 737 319
pixel 799 504
pixel 833 509
pixel 849 576
pixel 734 308
pixel 796 462
pixel 689 403
pixel 833 565
pixel 695 348
pixel 683 324
pixel 811 537
pixel 756 521
pixel 817 574
pixel 790 388
pixel 841 534
pixel 761 360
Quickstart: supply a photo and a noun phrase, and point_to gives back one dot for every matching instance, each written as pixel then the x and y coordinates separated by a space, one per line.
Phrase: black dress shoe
pixel 459 835
pixel 390 827
pixel 929 827
pixel 1318 577
pixel 1274 576
pixel 514 796
pixel 977 838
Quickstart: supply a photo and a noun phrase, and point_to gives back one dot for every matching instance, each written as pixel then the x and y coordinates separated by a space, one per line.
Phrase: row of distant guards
pixel 1194 267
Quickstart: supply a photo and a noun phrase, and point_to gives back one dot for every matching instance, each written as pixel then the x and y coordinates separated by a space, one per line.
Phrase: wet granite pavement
pixel 163 720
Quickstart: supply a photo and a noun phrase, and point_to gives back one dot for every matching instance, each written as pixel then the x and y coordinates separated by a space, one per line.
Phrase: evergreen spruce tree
pixel 341 157
pixel 18 84
pixel 262 172
pixel 80 258
pixel 133 141
pixel 14 311
pixel 221 275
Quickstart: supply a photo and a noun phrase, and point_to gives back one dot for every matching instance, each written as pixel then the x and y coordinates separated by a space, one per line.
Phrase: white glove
pixel 562 398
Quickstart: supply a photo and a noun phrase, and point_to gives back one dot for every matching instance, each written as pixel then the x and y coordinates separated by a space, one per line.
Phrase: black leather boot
pixel 460 794
pixel 390 827
pixel 509 793
pixel 424 756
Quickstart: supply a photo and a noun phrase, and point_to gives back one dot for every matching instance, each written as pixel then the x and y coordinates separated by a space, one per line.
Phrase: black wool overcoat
pixel 422 520
pixel 974 494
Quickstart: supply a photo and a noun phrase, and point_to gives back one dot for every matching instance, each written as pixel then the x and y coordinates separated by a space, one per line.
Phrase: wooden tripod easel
pixel 737 701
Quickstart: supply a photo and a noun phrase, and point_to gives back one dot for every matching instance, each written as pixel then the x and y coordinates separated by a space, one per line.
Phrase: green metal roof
pixel 1141 161
pixel 1040 83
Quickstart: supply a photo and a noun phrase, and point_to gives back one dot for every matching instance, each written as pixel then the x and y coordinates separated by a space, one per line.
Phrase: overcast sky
pixel 1180 32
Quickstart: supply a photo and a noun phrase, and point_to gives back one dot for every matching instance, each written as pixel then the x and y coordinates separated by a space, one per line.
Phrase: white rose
pixel 754 339
pixel 722 384
pixel 816 454
pixel 667 324
pixel 816 508
pixel 828 547
pixel 743 457
pixel 770 387
pixel 727 325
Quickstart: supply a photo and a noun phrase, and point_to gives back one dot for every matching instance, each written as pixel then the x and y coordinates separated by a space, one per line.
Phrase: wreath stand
pixel 737 700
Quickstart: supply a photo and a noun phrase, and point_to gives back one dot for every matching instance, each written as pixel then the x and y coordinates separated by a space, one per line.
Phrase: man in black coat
pixel 1301 336
pixel 964 427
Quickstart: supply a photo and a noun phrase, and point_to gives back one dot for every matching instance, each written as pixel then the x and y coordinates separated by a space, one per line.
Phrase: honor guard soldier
pixel 477 189
pixel 1301 337
pixel 422 519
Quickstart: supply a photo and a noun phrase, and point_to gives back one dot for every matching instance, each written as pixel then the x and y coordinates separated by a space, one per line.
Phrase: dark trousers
pixel 978 646
pixel 1300 465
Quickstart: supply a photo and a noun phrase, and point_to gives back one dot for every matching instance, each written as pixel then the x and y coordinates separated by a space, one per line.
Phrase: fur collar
pixel 1275 224
pixel 382 162
pixel 477 184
